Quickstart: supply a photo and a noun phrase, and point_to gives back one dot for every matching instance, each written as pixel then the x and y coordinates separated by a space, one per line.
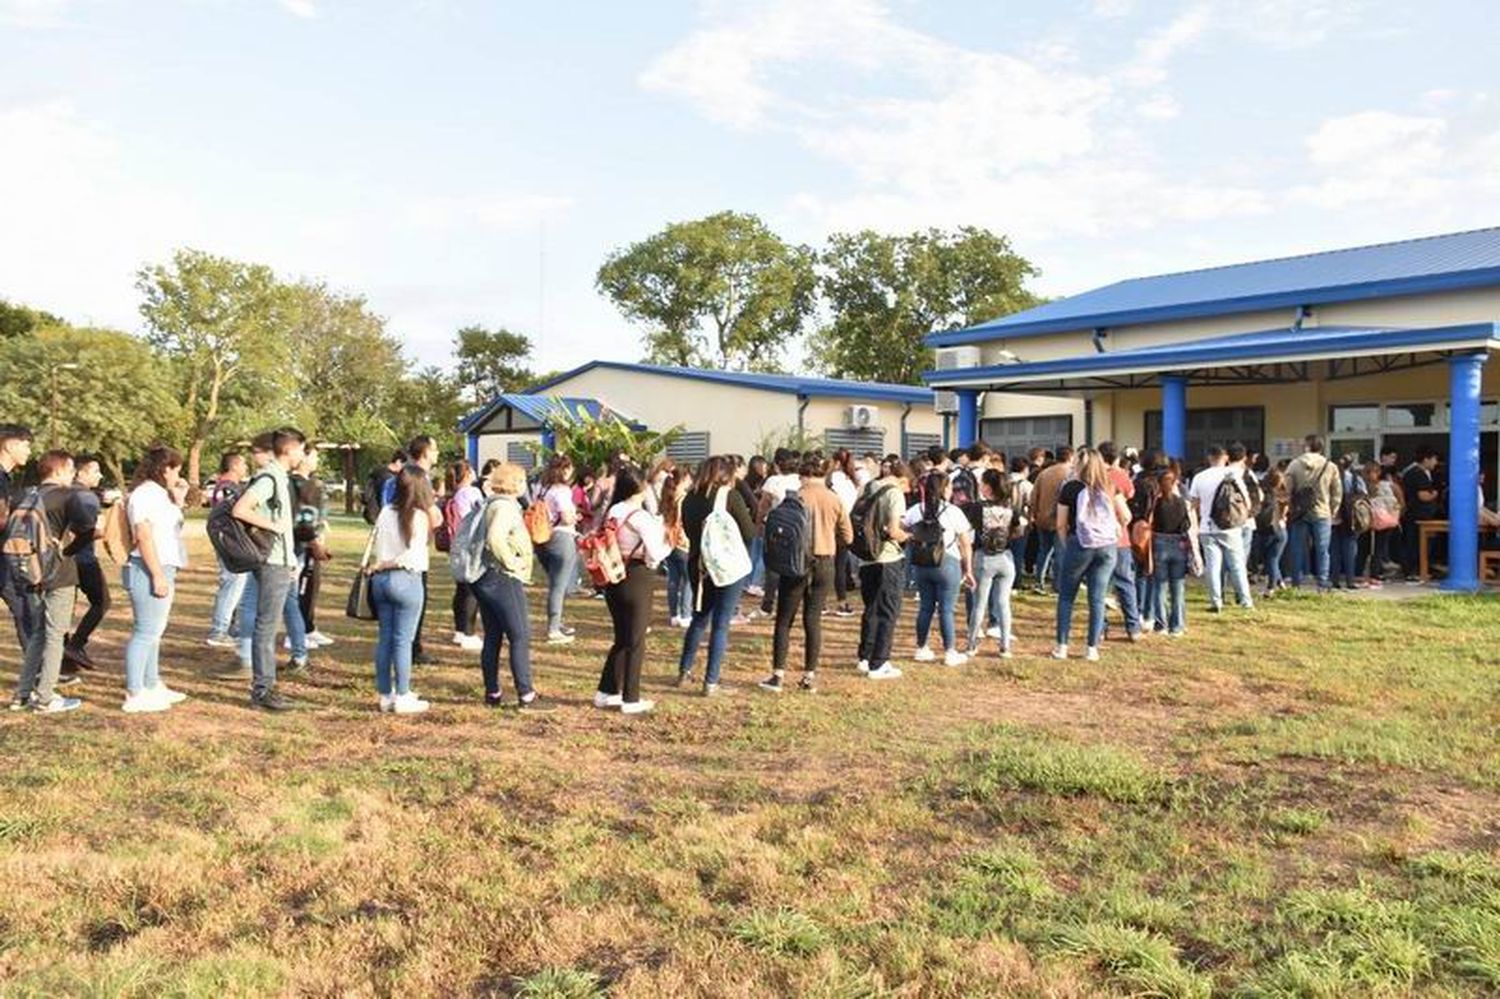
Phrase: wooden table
pixel 1427 529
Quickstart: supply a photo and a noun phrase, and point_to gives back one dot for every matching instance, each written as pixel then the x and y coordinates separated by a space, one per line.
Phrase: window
pixel 857 441
pixel 520 453
pixel 1353 419
pixel 1015 435
pixel 1205 427
pixel 689 449
pixel 1411 414
pixel 1489 414
pixel 917 444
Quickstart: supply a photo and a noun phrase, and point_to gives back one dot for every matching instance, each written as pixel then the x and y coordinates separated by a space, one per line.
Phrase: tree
pixel 723 291
pixel 887 293
pixel 18 320
pixel 428 402
pixel 223 324
pixel 113 396
pixel 491 362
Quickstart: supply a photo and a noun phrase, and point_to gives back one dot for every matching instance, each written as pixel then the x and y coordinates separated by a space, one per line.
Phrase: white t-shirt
pixel 1205 485
pixel 390 548
pixel 954 523
pixel 640 534
pixel 845 489
pixel 559 500
pixel 777 486
pixel 150 504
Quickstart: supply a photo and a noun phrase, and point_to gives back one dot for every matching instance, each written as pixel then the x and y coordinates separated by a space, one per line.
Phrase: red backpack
pixel 448 529
pixel 601 554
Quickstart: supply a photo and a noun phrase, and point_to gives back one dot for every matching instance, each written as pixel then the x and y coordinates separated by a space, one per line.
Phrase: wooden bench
pixel 1488 561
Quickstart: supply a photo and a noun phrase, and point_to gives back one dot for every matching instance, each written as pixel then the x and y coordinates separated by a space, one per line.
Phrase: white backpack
pixel 722 550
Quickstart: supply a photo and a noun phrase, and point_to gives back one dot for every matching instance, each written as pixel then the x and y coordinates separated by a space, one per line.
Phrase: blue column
pixel 549 439
pixel 474 451
pixel 968 417
pixel 1174 415
pixel 1464 373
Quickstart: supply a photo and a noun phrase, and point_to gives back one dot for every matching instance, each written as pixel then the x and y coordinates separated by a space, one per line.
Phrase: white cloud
pixel 1159 107
pixel 300 8
pixel 1155 51
pixel 32 13
pixel 487 211
pixel 1376 155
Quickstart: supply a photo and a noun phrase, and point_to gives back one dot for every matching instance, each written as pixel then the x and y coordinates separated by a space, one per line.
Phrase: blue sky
pixel 459 161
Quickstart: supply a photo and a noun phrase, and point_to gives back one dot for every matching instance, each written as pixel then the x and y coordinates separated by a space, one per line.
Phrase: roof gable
pixel 803 385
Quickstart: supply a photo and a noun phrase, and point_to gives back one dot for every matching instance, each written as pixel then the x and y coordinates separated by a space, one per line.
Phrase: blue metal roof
pixel 1263 346
pixel 1413 266
pixel 537 407
pixel 802 385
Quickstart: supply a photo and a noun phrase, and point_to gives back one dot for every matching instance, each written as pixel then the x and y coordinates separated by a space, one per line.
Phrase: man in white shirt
pixel 1222 546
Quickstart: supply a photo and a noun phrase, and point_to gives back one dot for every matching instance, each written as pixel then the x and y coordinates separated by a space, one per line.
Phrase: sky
pixel 461 161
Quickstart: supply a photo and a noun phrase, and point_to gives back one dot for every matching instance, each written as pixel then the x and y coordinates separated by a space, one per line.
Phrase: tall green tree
pixel 723 291
pixel 491 362
pixel 429 401
pixel 222 323
pixel 18 320
pixel 348 368
pixel 885 294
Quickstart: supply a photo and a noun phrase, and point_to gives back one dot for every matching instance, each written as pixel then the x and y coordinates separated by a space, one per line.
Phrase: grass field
pixel 1300 801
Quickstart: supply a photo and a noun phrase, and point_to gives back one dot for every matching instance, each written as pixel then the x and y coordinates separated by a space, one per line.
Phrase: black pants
pixel 309 584
pixel 810 592
pixel 465 608
pixel 843 574
pixel 416 638
pixel 1411 546
pixel 91 582
pixel 629 603
pixel 772 583
pixel 881 585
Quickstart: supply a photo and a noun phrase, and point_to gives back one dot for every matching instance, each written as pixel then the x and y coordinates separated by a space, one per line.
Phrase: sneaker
pixel 387 703
pixel 1176 634
pixel 422 659
pixel 1216 608
pixel 143 702
pixel 1091 654
pixel 472 643
pixel 58 705
pixel 755 591
pixel 884 672
pixel 167 694
pixel 296 668
pixel 809 685
pixel 1376 584
pixel 221 642
pixel 559 638
pixel 863 666
pixel 683 679
pixel 953 657
pixel 772 683
pixel 458 638
pixel 994 632
pixel 1135 636
pixel 716 690
pixel 231 673
pixel 923 655
pixel 68 680
pixel 318 639
pixel 684 622
pixel 271 700
pixel 755 614
pixel 636 707
pixel 843 610
pixel 1059 652
pixel 17 704
pixel 603 700
pixel 1005 652
pixel 78 656
pixel 408 704
pixel 738 621
pixel 534 703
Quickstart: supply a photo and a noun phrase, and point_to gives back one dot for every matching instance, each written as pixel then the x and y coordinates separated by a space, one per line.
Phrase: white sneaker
pixel 387 703
pixel 863 666
pixel 994 632
pixel 221 642
pixel 319 639
pixel 886 672
pixel 166 694
pixel 953 657
pixel 408 704
pixel 923 655
pixel 459 638
pixel 559 638
pixel 603 700
pixel 1059 652
pixel 1005 652
pixel 1091 654
pixel 143 702
pixel 636 707
pixel 472 643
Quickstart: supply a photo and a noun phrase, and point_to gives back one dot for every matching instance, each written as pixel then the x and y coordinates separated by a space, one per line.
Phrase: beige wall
pixel 496 445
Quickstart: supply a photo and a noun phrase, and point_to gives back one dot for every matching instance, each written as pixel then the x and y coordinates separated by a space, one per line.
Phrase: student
pixel 463 496
pixel 830 533
pixel 48 607
pixel 882 579
pixel 398 558
pixel 154 512
pixel 379 482
pixel 643 546
pixel 1020 500
pixel 1314 493
pixel 995 522
pixel 679 586
pixel 842 480
pixel 311 530
pixel 714 606
pixel 91 582
pixel 423 452
pixel 1223 546
pixel 1344 554
pixel 1173 528
pixel 1272 525
pixel 1421 504
pixel 938 586
pixel 784 480
pixel 656 481
pixel 15 452
pixel 501 592
pixel 1048 484
pixel 1385 514
pixel 232 472
pixel 748 480
pixel 244 614
pixel 266 503
pixel 1090 516
pixel 559 556
pixel 1123 580
pixel 306 521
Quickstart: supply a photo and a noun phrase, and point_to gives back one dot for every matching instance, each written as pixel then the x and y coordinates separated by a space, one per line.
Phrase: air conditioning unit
pixel 861 417
pixel 953 359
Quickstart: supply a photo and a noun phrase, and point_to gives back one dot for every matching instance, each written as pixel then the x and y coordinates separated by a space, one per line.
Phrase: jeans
pixel 149 615
pixel 272 583
pixel 397 598
pixel 502 604
pixel 1275 548
pixel 1047 569
pixel 845 568
pixel 1321 532
pixel 716 607
pixel 291 616
pixel 994 577
pixel 1080 564
pixel 92 584
pixel 50 613
pixel 881 585
pixel 559 557
pixel 757 561
pixel 937 590
pixel 679 587
pixel 1380 551
pixel 1124 583
pixel 1221 552
pixel 1344 556
pixel 1169 557
pixel 231 589
pixel 629 603
pixel 810 593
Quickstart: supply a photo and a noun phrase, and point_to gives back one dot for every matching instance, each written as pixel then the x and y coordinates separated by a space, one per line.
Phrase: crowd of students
pixel 796 534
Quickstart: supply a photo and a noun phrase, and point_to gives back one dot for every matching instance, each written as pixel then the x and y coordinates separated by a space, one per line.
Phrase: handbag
pixel 359 606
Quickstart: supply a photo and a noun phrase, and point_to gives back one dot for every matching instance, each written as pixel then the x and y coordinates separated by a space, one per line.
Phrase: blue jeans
pixel 1221 552
pixel 1274 549
pixel 397 598
pixel 679 587
pixel 559 557
pixel 231 589
pixel 1047 557
pixel 271 585
pixel 716 609
pixel 1321 533
pixel 502 605
pixel 757 561
pixel 937 591
pixel 1344 555
pixel 1169 558
pixel 1124 581
pixel 291 618
pixel 994 576
pixel 148 623
pixel 1080 564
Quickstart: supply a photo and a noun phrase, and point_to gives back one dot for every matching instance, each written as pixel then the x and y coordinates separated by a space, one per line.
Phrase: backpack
pixel 927 543
pixel 240 547
pixel 601 553
pixel 305 516
pixel 995 524
pixel 1097 525
pixel 119 539
pixel 722 549
pixel 538 522
pixel 789 538
pixel 1231 505
pixel 1304 499
pixel 374 486
pixel 468 557
pixel 443 535
pixel 965 488
pixel 867 537
pixel 33 557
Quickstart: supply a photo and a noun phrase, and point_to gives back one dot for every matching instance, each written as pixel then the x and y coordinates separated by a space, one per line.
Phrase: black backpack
pixel 927 547
pixel 865 546
pixel 240 547
pixel 965 488
pixel 789 538
pixel 374 486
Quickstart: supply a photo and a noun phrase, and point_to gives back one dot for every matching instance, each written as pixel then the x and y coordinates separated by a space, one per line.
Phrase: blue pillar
pixel 1464 373
pixel 1174 415
pixel 474 451
pixel 549 440
pixel 968 417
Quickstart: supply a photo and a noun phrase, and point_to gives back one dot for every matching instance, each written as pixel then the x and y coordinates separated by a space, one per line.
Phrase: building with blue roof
pixel 1373 347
